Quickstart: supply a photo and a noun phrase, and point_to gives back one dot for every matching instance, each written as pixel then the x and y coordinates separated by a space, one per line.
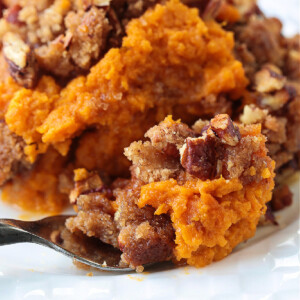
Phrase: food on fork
pixel 194 194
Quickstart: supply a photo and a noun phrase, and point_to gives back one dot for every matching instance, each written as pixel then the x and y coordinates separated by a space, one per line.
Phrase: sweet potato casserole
pixel 162 122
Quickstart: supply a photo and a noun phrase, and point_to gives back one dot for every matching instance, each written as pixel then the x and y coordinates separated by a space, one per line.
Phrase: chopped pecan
pixel 269 79
pixel 98 3
pixel 204 156
pixel 91 184
pixel 200 126
pixel 12 14
pixel 169 133
pixel 212 9
pixel 253 114
pixel 12 157
pixel 118 31
pixel 243 54
pixel 277 100
pixel 224 129
pixel 21 60
pixel 198 157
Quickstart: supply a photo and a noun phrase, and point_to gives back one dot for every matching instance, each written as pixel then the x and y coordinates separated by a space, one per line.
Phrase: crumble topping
pixel 21 60
pixel 269 79
pixel 12 159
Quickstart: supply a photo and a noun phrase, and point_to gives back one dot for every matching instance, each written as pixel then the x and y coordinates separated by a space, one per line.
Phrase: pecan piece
pixel 198 157
pixel 200 126
pixel 212 9
pixel 118 31
pixel 204 156
pixel 98 3
pixel 253 114
pixel 269 79
pixel 275 101
pixel 88 183
pixel 224 129
pixel 21 60
pixel 12 15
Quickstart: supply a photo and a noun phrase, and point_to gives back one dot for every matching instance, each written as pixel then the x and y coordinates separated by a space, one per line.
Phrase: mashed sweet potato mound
pixel 169 57
pixel 209 217
pixel 170 62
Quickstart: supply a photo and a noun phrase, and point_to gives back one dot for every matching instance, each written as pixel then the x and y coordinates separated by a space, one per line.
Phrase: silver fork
pixel 47 232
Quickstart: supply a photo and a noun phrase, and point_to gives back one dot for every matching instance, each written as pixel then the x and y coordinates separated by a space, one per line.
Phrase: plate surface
pixel 266 267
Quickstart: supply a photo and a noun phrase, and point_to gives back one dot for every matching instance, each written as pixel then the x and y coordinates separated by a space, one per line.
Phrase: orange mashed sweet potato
pixel 209 217
pixel 40 190
pixel 170 57
pixel 169 61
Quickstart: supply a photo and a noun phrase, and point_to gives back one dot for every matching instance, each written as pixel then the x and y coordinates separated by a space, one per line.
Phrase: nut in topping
pixel 212 9
pixel 269 79
pixel 224 129
pixel 12 14
pixel 203 156
pixel 98 3
pixel 101 3
pixel 21 60
pixel 198 157
pixel 253 114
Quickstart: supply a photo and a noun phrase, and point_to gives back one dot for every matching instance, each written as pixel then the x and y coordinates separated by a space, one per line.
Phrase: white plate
pixel 266 267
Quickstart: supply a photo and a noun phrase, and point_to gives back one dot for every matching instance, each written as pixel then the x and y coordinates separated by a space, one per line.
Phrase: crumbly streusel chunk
pixel 116 220
pixel 12 158
pixel 69 36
